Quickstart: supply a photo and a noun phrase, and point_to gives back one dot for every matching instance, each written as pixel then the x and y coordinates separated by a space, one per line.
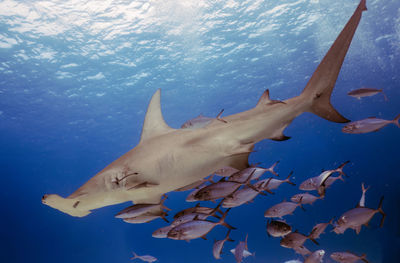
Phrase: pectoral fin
pixel 358 229
pixel 239 160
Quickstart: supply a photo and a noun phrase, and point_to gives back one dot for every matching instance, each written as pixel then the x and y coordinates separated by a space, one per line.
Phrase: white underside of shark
pixel 167 159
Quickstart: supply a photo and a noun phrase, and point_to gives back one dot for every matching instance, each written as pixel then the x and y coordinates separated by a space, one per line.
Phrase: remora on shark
pixel 167 159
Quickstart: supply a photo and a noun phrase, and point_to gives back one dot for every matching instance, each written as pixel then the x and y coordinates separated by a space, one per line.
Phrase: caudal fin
pixel 381 212
pixel 319 88
pixel 222 221
pixel 134 256
pixel 287 180
pixel 396 121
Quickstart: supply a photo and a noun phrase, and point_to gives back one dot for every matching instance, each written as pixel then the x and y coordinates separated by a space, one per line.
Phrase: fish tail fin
pixel 380 210
pixel 363 257
pixel 164 217
pixel 222 220
pixel 384 96
pixel 66 205
pixel 164 197
pixel 264 186
pixel 340 168
pixel 312 239
pixel 217 209
pixel 134 256
pixel 341 177
pixel 245 241
pixel 396 121
pixel 271 169
pixel 227 238
pixel 363 189
pixel 318 90
pixel 287 180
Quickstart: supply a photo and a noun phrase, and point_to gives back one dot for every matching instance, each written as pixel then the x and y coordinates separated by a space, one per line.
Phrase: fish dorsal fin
pixel 266 100
pixel 154 124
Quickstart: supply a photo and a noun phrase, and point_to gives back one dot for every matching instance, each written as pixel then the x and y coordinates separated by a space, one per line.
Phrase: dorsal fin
pixel 266 100
pixel 154 123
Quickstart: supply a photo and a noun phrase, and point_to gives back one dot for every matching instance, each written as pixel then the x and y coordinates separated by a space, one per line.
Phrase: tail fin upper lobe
pixel 319 88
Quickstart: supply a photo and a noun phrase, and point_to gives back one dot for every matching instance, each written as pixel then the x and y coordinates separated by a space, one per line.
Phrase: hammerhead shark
pixel 167 159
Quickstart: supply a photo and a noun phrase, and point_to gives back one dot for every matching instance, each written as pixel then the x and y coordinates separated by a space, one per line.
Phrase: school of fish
pixel 235 188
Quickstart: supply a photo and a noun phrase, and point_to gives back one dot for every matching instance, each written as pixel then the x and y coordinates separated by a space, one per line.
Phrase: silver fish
pixel 242 175
pixel 321 179
pixel 196 228
pixel 309 184
pixel 241 196
pixel 145 258
pixel 371 124
pixel 274 183
pixel 316 257
pixel 319 229
pixel 366 92
pixel 162 232
pixel 201 121
pixel 319 182
pixel 294 240
pixel 216 191
pixel 277 228
pixel 348 257
pixel 192 194
pixel 189 217
pixel 305 198
pixel 362 199
pixel 221 189
pixel 145 218
pixel 240 249
pixel 196 209
pixel 357 217
pixel 282 209
pixel 139 209
pixel 219 244
pixel 329 182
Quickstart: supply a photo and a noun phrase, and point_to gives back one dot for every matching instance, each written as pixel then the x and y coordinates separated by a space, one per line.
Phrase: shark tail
pixel 319 88
pixel 67 205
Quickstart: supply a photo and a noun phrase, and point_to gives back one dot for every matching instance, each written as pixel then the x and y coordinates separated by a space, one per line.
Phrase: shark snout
pixel 44 197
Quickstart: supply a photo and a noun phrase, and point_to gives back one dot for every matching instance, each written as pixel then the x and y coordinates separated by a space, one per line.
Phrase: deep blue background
pixel 61 121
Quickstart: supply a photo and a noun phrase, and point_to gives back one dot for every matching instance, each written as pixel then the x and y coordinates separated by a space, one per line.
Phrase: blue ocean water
pixel 76 78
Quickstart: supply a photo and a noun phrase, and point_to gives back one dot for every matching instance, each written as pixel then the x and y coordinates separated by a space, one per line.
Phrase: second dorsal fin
pixel 154 123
